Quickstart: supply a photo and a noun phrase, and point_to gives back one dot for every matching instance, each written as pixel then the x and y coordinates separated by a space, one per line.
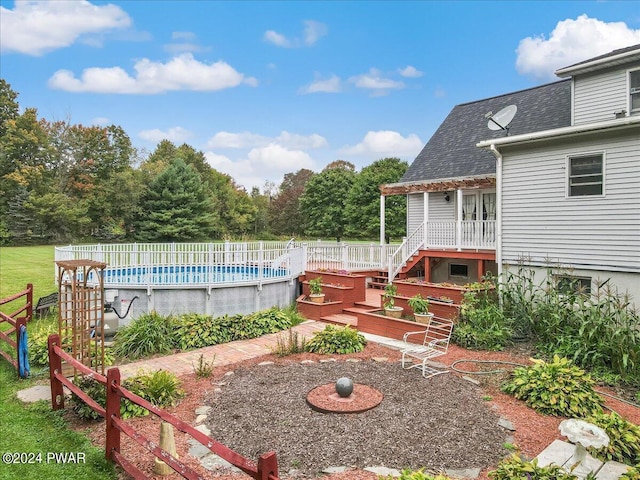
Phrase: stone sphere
pixel 344 387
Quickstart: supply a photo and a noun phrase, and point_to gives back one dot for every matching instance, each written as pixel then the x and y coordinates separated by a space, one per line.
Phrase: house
pixel 558 185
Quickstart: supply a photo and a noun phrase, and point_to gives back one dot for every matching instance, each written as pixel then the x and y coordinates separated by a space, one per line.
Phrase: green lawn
pixel 35 429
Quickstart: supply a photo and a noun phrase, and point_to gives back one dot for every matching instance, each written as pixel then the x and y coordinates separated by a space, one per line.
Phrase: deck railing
pixel 198 264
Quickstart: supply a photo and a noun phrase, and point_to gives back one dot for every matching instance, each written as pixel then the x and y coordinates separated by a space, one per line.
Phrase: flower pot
pixel 317 297
pixel 395 312
pixel 423 318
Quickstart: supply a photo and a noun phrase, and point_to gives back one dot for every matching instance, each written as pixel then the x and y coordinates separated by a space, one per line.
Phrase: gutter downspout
pixel 498 156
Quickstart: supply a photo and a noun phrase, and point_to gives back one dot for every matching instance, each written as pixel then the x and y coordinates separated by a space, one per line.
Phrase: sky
pixel 266 88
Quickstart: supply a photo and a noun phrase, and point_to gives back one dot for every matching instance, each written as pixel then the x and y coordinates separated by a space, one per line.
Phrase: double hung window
pixel 586 175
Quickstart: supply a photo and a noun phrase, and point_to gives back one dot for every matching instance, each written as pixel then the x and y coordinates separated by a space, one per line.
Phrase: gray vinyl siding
pixel 439 209
pixel 598 95
pixel 414 211
pixel 541 225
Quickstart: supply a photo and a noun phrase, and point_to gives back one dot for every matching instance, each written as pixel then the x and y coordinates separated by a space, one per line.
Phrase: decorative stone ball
pixel 344 387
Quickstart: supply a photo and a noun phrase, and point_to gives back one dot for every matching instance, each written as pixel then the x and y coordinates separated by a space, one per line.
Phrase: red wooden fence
pixel 16 322
pixel 266 469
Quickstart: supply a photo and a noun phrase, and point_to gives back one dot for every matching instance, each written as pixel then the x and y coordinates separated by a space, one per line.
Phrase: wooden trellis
pixel 81 312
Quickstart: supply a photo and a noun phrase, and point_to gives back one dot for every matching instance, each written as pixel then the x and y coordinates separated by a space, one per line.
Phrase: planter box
pixel 315 311
pixel 378 324
pixel 450 311
pixel 434 290
pixel 355 281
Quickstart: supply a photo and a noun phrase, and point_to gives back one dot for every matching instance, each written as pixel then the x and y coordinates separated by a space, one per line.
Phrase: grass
pixel 35 428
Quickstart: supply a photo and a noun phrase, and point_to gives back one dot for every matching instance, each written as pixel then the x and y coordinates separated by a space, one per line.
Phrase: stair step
pixel 341 319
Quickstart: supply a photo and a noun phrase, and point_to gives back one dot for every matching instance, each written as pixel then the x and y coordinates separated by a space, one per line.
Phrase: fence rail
pixel 266 468
pixel 16 323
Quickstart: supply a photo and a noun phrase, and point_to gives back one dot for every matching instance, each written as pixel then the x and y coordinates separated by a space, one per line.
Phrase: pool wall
pixel 214 301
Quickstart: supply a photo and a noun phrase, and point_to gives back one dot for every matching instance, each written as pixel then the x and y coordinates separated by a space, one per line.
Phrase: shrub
pixel 556 388
pixel 632 474
pixel 38 342
pixel 160 388
pixel 514 467
pixel 197 331
pixel 149 334
pixel 289 344
pixel 624 439
pixel 204 369
pixel 260 323
pixel 407 474
pixel 482 325
pixel 336 340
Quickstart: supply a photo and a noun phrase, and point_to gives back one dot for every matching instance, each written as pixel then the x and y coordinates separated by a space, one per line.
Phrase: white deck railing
pixel 208 263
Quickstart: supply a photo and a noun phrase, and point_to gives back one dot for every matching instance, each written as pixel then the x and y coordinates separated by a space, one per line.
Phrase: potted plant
pixel 315 289
pixel 389 303
pixel 420 307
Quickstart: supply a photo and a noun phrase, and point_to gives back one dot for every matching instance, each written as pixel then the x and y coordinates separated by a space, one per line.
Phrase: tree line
pixel 63 182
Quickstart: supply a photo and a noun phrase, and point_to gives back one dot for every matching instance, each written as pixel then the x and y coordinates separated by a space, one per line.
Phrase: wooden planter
pixel 378 324
pixel 358 283
pixel 315 311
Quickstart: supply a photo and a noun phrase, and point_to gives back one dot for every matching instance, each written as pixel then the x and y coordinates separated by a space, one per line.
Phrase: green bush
pixel 631 474
pixel 38 342
pixel 556 388
pixel 598 331
pixel 514 467
pixel 624 439
pixel 149 334
pixel 160 388
pixel 407 474
pixel 197 331
pixel 336 340
pixel 482 325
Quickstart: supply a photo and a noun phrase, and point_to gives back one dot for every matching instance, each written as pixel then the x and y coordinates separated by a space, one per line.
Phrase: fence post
pixel 267 465
pixel 55 366
pixel 112 410
pixel 29 302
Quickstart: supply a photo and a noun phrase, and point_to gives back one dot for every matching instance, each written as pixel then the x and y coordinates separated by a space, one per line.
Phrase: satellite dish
pixel 502 119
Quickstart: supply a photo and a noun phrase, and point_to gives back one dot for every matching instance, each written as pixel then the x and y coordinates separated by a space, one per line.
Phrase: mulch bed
pixel 444 421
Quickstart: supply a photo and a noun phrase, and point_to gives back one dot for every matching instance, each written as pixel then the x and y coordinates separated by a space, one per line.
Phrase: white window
pixel 586 175
pixel 571 285
pixel 634 90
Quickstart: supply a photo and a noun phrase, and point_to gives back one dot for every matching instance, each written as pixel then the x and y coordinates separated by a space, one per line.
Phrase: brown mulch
pixel 442 422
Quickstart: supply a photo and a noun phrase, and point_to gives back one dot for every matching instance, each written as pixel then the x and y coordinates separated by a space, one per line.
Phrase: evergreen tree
pixel 363 201
pixel 176 207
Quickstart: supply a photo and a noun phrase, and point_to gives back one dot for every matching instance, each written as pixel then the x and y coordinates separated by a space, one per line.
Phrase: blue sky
pixel 267 88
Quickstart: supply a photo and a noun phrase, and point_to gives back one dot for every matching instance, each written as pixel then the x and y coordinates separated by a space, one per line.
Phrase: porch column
pixel 481 271
pixel 459 219
pixel 425 218
pixel 382 233
pixel 427 269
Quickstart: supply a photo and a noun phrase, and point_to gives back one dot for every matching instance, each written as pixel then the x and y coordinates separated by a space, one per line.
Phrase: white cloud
pixel 386 142
pixel 374 81
pixel 252 140
pixel 270 162
pixel 180 73
pixel 313 31
pixel 173 134
pixel 37 27
pixel 572 41
pixel 330 85
pixel 410 72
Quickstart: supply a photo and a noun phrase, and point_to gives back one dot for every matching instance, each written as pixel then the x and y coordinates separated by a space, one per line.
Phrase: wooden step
pixel 341 319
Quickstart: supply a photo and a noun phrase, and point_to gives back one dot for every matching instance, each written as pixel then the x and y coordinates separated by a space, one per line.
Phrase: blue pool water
pixel 189 275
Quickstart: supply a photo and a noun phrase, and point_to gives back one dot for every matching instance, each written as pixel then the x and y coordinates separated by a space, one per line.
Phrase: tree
pixel 9 107
pixel 176 207
pixel 285 216
pixel 323 201
pixel 363 201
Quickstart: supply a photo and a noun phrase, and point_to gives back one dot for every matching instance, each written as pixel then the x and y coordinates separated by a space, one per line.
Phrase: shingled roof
pixel 452 153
